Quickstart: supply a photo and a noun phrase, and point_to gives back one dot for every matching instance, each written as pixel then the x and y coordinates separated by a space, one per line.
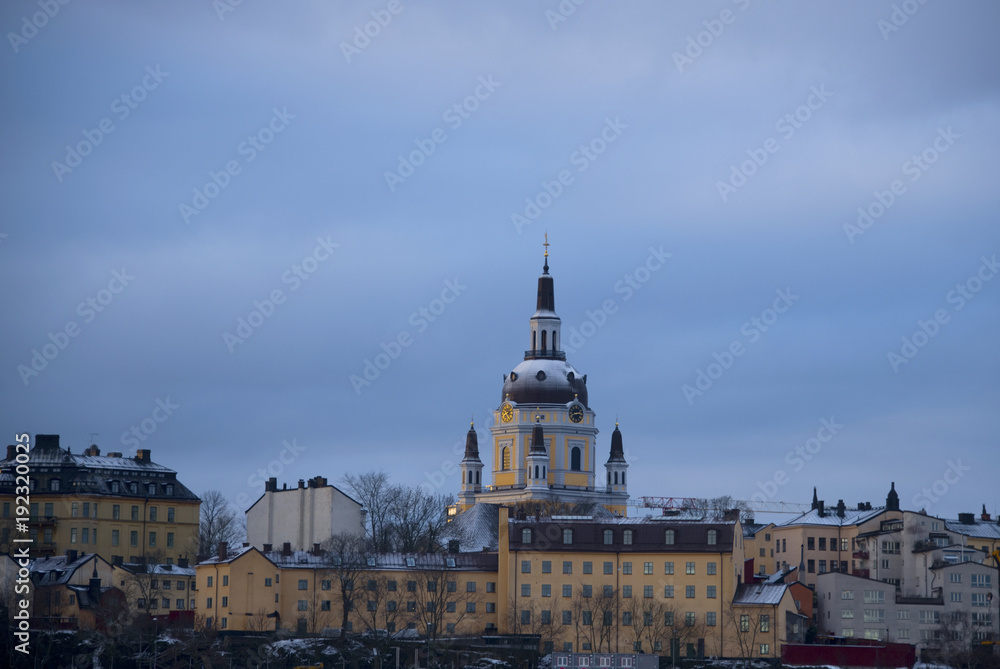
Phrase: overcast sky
pixel 387 171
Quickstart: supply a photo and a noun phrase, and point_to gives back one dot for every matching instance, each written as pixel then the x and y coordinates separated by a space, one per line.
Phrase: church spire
pixel 545 324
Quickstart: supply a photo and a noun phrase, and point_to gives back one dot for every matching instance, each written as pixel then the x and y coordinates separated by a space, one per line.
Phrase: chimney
pixel 967 518
pixel 92 450
pixel 286 549
pixel 71 555
pixel 841 508
pixel 302 484
pixel 820 508
pixel 316 550
pixel 44 441
pixel 271 485
pixel 182 562
pixel 114 454
pixel 223 550
pixel 11 452
pixel 453 545
pixel 142 455
pixel 985 515
pixel 267 548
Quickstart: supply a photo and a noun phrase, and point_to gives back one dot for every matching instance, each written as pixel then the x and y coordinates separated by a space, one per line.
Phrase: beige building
pixel 125 509
pixel 308 514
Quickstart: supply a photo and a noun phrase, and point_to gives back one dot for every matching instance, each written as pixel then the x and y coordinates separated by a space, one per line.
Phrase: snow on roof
pixel 751 594
pixel 830 517
pixel 474 529
pixel 981 529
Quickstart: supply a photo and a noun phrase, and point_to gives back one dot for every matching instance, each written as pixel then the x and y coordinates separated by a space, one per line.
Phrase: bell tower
pixel 471 469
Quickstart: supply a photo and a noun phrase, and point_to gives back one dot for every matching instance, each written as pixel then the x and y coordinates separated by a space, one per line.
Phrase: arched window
pixel 609 478
pixel 536 471
pixel 470 476
pixel 505 458
pixel 616 478
pixel 544 473
pixel 533 335
pixel 623 478
pixel 543 340
pixel 574 458
pixel 477 478
pixel 554 347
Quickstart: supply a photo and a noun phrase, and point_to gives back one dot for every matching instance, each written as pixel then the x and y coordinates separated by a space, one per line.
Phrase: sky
pixel 303 239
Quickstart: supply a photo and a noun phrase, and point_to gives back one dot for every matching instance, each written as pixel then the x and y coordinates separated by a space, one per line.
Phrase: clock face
pixel 506 413
pixel 576 413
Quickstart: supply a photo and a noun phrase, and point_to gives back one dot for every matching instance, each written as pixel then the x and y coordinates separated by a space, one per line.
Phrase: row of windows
pixel 574 462
pixel 587 590
pixel 834 566
pixel 164 603
pixel 626 567
pixel 55 485
pixel 670 537
pixel 391 586
pixel 607 618
pixel 133 539
pixel 845 544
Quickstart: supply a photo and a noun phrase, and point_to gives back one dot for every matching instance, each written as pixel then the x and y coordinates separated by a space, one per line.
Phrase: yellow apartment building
pixel 125 509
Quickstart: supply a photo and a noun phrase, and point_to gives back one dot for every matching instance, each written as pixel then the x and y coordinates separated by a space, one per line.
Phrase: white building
pixel 303 516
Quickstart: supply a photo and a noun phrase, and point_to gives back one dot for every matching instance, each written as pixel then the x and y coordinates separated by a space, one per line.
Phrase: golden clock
pixel 506 413
pixel 576 413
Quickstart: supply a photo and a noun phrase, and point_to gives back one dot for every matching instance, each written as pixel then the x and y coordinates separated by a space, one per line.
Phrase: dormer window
pixel 410 562
pixel 115 487
pixel 450 562
pixel 169 489
pixel 151 489
pixel 133 487
pixel 54 485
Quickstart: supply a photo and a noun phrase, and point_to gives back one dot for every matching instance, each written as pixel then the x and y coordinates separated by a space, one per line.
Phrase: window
pixel 574 459
pixel 225 602
pixel 845 544
pixel 627 537
pixel 847 631
pixel 609 591
pixel 609 568
pixel 588 591
pixel 811 566
pixel 505 458
pixel 114 537
pixel 303 605
pixel 847 613
pixel 822 543
pixel 546 566
pixel 567 590
pixel 588 567
pixel 609 537
pixel 690 618
pixel 647 568
pixel 668 591
pixel 470 586
pixel 668 568
pixel 810 543
pixel 626 567
pixel 390 586
pixel 546 590
pixel 166 584
pixel 74 509
pixel 170 539
pixel 526 535
pixel 979 599
pixel 208 584
pixel 744 622
pixel 627 591
pixel 626 618
pixel 689 591
pixel 711 592
pixel 878 615
pixel 525 617
pixel 491 607
pixel 689 568
pixel 822 566
pixel 432 586
pixel 668 618
pixel 874 597
pixel 470 607
pixel 668 538
pixel 525 566
pixel 567 536
pixel 180 604
pixel 490 586
pixel 152 513
pixel 711 569
pixel 181 586
pixel 303 584
pixel 116 511
pixel 152 539
pixel 847 594
pixel 712 537
pixel 902 633
pixel 567 567
pixel 902 615
pixel 449 607
pixel 710 619
pixel 411 586
pixel 225 579
pixel 567 617
pixel 411 562
pixel 170 513
pixel 135 512
pixel 956 597
pixel 765 649
pixel 980 580
pixel 765 623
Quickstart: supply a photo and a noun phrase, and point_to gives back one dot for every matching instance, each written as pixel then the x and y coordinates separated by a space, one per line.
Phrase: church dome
pixel 544 381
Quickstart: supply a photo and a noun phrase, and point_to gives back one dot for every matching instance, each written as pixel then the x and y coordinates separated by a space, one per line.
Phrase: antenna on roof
pixel 94 436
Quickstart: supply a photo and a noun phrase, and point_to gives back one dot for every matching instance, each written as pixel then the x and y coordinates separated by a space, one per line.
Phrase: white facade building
pixel 303 516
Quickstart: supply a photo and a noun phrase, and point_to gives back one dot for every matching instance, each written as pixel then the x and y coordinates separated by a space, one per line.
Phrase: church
pixel 544 433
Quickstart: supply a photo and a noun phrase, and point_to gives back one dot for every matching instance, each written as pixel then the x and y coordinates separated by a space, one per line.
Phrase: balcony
pixel 860 555
pixel 862 573
pixel 547 354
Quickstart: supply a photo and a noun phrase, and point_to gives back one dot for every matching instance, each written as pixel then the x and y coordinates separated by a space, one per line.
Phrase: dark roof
pixel 648 534
pixel 94 474
pixel 59 569
pixel 755 594
pixel 382 561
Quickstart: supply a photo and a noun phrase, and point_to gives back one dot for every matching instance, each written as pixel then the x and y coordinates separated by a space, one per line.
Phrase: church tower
pixel 471 469
pixel 616 465
pixel 544 435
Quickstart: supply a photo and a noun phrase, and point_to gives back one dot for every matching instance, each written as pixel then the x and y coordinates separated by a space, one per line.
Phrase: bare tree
pixel 441 600
pixel 605 619
pixel 375 493
pixel 380 610
pixel 260 621
pixel 416 519
pixel 219 522
pixel 346 559
pixel 746 624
